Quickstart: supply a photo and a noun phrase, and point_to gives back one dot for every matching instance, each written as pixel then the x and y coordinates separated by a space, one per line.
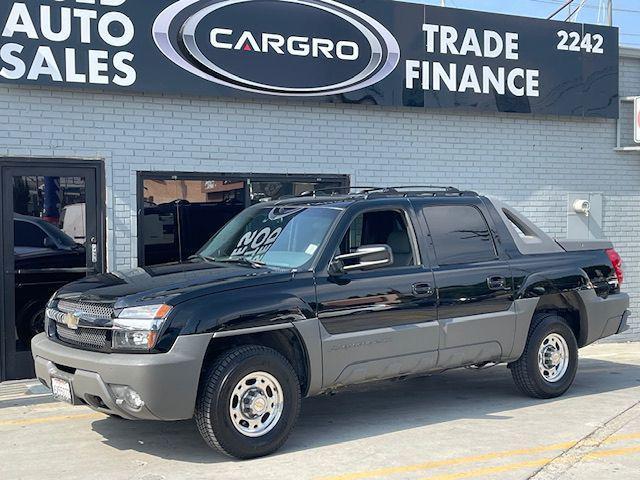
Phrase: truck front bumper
pixel 166 382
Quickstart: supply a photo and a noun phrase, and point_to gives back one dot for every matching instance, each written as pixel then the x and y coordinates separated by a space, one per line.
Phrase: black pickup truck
pixel 305 295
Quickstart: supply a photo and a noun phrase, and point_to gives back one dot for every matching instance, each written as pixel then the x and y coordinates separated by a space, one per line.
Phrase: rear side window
pixel 460 234
pixel 28 235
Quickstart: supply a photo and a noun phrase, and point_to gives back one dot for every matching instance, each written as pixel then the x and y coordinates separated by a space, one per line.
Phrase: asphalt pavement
pixel 457 425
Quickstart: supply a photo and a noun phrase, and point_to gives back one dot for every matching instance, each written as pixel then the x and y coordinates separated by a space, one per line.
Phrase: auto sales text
pixel 53 25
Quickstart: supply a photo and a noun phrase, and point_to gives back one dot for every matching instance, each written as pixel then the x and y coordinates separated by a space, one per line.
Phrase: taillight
pixel 616 261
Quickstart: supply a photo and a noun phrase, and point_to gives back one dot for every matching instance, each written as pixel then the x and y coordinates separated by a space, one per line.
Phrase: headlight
pixel 52 301
pixel 147 312
pixel 136 328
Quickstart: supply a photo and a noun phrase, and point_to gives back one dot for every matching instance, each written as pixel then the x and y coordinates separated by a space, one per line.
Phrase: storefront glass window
pixel 180 213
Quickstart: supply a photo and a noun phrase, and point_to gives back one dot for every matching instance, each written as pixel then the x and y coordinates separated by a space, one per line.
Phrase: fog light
pixel 127 396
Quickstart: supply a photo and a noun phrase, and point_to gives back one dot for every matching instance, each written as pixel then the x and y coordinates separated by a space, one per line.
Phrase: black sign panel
pixel 354 51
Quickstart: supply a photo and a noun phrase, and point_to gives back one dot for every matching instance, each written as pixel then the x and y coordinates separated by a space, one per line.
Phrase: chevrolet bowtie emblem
pixel 71 320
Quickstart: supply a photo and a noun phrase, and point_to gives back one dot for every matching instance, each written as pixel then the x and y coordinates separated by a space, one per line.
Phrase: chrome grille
pixel 83 337
pixel 97 310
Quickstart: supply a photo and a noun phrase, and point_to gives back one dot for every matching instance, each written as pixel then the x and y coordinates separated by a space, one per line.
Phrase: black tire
pixel 212 413
pixel 525 371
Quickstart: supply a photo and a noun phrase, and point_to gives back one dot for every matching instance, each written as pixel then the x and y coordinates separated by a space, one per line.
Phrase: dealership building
pixel 143 172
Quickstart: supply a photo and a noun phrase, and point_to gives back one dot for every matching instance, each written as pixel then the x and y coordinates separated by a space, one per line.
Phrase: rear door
pixel 474 283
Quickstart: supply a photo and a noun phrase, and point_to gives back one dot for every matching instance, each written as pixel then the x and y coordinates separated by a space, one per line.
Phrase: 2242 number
pixel 572 42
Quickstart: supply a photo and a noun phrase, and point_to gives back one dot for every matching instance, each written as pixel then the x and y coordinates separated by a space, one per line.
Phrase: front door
pixel 378 323
pixel 52 232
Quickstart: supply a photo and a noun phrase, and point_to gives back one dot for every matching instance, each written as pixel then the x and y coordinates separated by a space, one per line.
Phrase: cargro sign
pixel 355 51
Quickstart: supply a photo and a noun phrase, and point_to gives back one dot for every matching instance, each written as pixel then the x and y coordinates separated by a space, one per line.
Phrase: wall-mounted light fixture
pixel 582 206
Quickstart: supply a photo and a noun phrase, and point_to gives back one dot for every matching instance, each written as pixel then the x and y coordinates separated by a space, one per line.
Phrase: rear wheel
pixel 248 402
pixel 548 365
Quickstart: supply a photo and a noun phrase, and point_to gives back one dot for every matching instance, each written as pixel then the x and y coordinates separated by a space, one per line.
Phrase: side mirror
pixel 366 257
pixel 48 243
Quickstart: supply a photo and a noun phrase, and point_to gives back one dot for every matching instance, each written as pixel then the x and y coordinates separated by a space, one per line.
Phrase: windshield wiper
pixel 242 261
pixel 202 257
pixel 239 260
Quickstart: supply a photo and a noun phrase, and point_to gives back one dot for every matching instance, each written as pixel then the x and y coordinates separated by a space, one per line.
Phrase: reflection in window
pixel 180 215
pixel 286 237
pixel 460 234
pixel 266 191
pixel 48 245
pixel 28 234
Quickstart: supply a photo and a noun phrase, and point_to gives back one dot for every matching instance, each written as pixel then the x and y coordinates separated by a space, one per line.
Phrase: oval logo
pixel 277 47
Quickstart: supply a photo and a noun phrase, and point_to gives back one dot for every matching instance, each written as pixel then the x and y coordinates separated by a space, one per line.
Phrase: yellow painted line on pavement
pixel 57 418
pixel 622 437
pixel 613 452
pixel 383 472
pixel 476 472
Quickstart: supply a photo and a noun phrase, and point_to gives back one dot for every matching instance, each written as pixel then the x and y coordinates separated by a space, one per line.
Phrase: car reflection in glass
pixel 46 258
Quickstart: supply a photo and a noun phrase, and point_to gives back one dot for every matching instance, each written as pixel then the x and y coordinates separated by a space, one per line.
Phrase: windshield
pixel 286 237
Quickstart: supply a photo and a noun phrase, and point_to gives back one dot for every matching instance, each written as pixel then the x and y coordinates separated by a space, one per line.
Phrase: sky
pixel 626 13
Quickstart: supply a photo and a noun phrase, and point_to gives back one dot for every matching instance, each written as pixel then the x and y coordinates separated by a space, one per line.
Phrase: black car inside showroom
pixel 135 132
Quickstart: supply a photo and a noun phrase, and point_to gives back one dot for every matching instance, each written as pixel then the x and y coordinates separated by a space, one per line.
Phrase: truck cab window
pixel 380 227
pixel 460 234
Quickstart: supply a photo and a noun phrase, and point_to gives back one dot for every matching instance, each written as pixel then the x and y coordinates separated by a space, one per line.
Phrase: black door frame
pixel 6 163
pixel 344 180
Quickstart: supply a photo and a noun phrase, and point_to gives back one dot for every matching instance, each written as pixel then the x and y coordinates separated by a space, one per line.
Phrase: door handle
pixel 496 282
pixel 422 289
pixel 94 250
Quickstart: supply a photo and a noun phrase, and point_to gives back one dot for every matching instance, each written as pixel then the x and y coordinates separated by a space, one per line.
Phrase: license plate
pixel 61 390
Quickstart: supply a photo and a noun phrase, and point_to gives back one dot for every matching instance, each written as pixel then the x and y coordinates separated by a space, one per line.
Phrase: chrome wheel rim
pixel 256 404
pixel 553 357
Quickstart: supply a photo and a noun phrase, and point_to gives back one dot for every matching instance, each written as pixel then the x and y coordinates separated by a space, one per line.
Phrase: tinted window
pixel 28 235
pixel 460 234
pixel 58 235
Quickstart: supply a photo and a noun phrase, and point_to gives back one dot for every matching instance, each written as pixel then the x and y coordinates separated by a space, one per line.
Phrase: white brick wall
pixel 530 162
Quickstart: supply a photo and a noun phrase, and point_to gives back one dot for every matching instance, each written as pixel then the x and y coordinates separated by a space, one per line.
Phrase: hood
pixel 170 283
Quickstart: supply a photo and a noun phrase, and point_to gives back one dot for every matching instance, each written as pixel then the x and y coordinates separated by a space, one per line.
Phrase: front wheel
pixel 549 362
pixel 248 402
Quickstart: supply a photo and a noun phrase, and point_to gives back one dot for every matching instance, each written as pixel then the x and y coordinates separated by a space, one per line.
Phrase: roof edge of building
pixel 629 52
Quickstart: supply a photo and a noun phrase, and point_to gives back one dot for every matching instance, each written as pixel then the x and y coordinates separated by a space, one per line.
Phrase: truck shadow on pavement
pixel 376 409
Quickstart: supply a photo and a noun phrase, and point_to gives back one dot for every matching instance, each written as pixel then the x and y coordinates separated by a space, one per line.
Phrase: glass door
pixel 51 237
